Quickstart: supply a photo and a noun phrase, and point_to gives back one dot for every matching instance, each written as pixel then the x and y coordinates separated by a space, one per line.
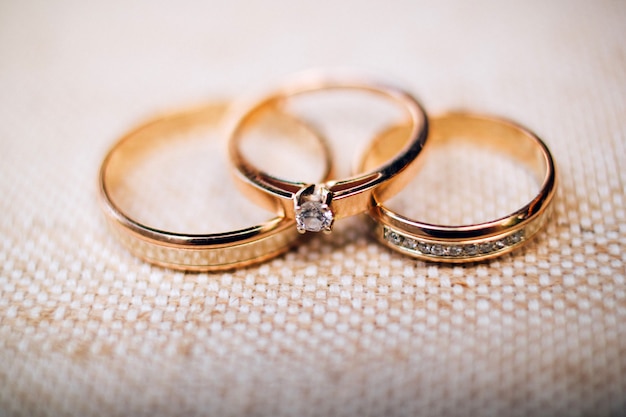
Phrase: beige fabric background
pixel 340 326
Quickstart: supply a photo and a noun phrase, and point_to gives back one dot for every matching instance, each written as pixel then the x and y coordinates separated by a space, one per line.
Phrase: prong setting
pixel 312 207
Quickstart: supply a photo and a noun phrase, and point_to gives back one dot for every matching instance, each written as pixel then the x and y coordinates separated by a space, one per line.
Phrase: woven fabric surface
pixel 341 325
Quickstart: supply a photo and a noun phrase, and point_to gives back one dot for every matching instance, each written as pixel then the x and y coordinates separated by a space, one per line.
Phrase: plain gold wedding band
pixel 190 252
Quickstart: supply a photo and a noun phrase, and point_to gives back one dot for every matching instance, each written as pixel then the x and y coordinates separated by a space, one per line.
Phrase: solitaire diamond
pixel 312 209
pixel 314 216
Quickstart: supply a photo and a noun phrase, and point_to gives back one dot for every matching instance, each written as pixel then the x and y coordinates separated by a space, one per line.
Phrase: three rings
pixel 390 161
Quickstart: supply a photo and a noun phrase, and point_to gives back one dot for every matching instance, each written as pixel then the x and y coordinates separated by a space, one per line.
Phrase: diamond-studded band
pixel 185 251
pixel 475 242
pixel 445 251
pixel 315 207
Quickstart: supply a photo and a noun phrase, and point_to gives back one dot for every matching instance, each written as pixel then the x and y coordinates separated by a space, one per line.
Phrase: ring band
pixel 315 207
pixel 191 252
pixel 473 242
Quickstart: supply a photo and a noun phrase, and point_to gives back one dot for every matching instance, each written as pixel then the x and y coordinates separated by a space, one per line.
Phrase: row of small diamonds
pixel 451 250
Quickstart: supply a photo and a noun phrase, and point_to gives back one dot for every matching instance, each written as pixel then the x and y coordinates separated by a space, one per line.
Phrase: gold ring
pixel 472 242
pixel 315 207
pixel 193 252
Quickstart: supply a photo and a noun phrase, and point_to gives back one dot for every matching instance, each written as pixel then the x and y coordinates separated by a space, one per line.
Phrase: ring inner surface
pixel 474 170
pixel 346 118
pixel 172 174
pixel 295 150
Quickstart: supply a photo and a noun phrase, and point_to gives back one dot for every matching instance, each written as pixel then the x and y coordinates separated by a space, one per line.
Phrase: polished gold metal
pixel 190 252
pixel 475 242
pixel 317 206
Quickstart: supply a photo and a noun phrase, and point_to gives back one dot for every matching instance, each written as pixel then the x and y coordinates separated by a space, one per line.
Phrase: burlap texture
pixel 340 326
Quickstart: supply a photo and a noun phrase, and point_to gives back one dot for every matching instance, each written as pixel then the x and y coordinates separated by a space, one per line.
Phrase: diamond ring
pixel 316 207
pixel 472 242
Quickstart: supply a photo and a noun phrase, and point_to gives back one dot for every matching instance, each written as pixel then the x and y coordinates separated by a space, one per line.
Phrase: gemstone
pixel 471 249
pixel 437 249
pixel 499 244
pixel 409 243
pixel 423 247
pixel 485 247
pixel 314 216
pixel 515 237
pixel 454 250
